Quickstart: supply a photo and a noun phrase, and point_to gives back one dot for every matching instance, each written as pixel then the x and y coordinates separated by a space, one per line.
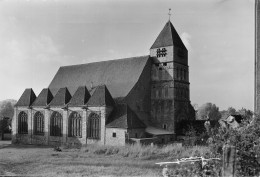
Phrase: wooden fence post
pixel 229 161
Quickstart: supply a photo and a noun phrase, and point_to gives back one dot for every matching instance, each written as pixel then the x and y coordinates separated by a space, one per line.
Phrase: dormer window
pixel 161 52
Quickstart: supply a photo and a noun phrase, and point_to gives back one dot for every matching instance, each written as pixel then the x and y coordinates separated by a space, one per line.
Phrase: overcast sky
pixel 37 37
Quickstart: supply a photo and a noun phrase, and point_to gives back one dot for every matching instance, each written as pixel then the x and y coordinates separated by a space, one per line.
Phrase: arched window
pixel 94 126
pixel 56 124
pixel 160 92
pixel 155 71
pixel 177 73
pixel 160 73
pixel 38 123
pixel 181 74
pixel 166 92
pixel 184 74
pixel 75 125
pixel 22 123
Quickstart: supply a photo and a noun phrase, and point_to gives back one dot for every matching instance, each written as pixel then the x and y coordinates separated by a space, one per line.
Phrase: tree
pixel 228 112
pixel 208 110
pixel 247 142
pixel 7 108
pixel 195 106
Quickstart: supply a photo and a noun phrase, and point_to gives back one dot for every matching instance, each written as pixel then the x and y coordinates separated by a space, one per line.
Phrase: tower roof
pixel 44 98
pixel 80 97
pixel 27 98
pixel 168 37
pixel 61 98
pixel 100 97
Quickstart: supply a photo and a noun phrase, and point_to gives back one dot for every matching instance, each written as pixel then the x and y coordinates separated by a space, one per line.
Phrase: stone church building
pixel 138 99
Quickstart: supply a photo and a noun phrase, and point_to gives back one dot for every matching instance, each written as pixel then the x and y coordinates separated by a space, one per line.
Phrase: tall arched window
pixel 160 92
pixel 160 73
pixel 75 125
pixel 178 73
pixel 94 126
pixel 166 92
pixel 22 123
pixel 38 123
pixel 56 124
pixel 181 73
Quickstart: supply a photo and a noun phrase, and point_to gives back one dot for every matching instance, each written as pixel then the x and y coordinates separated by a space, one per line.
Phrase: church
pixel 132 100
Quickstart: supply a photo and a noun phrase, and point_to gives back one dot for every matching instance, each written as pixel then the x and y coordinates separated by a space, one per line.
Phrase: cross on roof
pixel 169 13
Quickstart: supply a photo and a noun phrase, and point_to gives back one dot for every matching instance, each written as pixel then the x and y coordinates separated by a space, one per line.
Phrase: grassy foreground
pixel 135 160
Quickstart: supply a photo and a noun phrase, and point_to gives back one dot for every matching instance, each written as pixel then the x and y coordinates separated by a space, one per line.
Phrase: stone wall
pixel 170 88
pixel 46 139
pixel 118 140
pixel 162 94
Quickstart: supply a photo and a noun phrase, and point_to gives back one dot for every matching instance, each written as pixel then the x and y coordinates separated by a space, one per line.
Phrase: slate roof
pixel 119 76
pixel 124 117
pixel 61 98
pixel 238 118
pixel 100 96
pixel 80 97
pixel 44 98
pixel 27 98
pixel 168 37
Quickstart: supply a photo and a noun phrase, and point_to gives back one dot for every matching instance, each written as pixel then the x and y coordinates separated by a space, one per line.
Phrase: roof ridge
pixel 105 61
pixel 171 30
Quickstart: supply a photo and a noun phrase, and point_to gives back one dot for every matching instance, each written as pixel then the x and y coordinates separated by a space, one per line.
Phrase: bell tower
pixel 170 93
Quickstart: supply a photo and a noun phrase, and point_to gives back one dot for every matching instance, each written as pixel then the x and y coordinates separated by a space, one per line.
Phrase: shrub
pixel 247 142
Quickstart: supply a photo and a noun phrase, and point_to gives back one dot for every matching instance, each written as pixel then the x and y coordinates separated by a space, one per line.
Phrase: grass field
pixel 31 160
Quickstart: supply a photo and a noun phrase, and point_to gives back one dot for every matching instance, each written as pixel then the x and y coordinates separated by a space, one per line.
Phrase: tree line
pixel 211 111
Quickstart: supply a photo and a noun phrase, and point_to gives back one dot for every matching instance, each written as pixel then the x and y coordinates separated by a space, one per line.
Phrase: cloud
pixel 185 37
pixel 28 59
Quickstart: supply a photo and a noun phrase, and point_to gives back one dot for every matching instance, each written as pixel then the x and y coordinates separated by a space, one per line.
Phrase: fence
pixel 228 162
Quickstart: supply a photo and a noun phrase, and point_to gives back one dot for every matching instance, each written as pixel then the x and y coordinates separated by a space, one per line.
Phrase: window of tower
pixel 161 52
pixel 166 92
pixel 160 73
pixel 160 92
pixel 164 126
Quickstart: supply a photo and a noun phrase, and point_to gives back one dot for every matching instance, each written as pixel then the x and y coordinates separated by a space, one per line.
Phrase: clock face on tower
pixel 161 52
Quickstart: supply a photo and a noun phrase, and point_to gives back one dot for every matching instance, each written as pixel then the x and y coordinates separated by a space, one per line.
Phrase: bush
pixel 247 142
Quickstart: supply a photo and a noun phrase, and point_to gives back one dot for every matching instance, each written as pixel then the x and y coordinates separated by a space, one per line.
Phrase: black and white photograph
pixel 148 88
